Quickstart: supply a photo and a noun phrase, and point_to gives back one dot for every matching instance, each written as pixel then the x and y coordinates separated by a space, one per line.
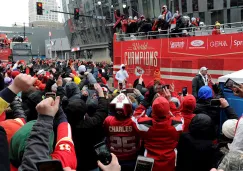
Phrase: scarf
pixel 205 78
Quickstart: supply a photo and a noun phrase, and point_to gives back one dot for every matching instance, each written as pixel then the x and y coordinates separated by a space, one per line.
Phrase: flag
pixel 49 34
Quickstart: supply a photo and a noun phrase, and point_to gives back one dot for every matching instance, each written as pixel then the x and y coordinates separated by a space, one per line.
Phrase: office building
pixel 48 17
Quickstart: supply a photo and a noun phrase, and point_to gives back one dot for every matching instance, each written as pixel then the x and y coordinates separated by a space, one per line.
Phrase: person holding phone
pixel 205 105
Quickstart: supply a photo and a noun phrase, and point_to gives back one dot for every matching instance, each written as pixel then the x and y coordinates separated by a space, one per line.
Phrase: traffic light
pixel 39 8
pixel 76 13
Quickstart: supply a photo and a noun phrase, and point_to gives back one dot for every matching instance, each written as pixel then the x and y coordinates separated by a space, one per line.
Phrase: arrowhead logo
pixel 120 101
pixel 139 71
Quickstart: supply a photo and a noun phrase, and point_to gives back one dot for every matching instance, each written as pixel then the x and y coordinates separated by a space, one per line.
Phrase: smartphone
pixel 129 90
pixel 230 84
pixel 166 86
pixel 215 102
pixel 49 165
pixel 103 153
pixel 50 94
pixel 184 91
pixel 144 164
pixel 91 87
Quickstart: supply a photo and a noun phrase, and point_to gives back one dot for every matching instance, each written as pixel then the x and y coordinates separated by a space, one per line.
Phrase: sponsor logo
pixel 177 45
pixel 218 44
pixel 197 44
pixel 238 43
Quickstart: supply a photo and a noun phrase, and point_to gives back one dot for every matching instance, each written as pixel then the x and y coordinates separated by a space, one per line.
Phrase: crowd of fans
pixel 180 133
pixel 177 25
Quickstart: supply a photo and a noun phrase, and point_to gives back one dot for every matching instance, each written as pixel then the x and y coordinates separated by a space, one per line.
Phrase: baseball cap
pixel 164 6
pixel 204 69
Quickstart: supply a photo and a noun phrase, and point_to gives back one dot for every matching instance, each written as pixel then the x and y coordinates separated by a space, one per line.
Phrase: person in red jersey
pixel 122 138
pixel 160 134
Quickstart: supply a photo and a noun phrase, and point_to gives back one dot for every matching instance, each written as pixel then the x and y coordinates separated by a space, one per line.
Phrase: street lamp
pixel 124 5
pixel 99 2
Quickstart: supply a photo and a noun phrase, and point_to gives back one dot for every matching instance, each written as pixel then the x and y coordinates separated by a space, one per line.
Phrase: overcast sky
pixel 12 11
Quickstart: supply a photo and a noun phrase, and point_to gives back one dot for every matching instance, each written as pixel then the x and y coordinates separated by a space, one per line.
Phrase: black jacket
pixel 203 106
pixel 196 150
pixel 87 134
pixel 4 153
pixel 197 83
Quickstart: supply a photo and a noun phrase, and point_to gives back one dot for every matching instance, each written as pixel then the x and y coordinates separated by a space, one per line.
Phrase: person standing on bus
pixel 122 76
pixel 199 81
pixel 166 13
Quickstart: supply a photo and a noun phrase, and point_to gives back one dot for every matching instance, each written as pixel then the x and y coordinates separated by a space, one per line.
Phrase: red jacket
pixel 122 138
pixel 124 23
pixel 160 134
pixel 187 107
pixel 215 32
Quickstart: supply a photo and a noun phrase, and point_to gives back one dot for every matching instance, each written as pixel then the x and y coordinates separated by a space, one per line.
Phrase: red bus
pixel 179 59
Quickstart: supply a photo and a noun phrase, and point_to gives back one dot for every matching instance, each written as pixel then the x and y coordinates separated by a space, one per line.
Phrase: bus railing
pixel 190 31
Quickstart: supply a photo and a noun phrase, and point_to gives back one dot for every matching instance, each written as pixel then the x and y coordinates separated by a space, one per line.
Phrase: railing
pixel 227 28
pixel 169 34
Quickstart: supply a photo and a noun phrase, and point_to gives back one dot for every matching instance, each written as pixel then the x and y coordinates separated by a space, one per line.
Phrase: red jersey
pixel 124 25
pixel 64 150
pixel 122 138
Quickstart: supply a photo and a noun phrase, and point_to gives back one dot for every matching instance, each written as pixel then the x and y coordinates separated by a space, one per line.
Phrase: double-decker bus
pixel 179 59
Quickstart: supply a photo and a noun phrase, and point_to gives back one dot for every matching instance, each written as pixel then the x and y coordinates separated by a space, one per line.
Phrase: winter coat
pixel 195 148
pixel 87 133
pixel 197 83
pixel 187 108
pixel 205 95
pixel 126 151
pixel 7 96
pixel 233 159
pixel 4 152
pixel 160 135
pixel 145 27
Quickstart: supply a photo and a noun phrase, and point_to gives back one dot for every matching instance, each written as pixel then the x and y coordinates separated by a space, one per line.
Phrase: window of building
pixel 233 3
pixel 228 16
pixel 202 16
pixel 225 3
pixel 176 5
pixel 145 7
pixel 195 5
pixel 134 4
pixel 210 4
pixel 240 2
pixel 184 6
pixel 217 16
